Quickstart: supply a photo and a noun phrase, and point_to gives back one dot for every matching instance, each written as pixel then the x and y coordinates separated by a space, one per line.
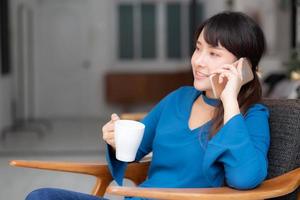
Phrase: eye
pixel 214 54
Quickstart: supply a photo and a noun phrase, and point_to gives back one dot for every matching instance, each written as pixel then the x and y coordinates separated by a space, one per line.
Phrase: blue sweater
pixel 185 158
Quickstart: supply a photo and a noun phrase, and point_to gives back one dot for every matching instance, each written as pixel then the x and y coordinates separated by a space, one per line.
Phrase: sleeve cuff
pixel 234 132
pixel 117 168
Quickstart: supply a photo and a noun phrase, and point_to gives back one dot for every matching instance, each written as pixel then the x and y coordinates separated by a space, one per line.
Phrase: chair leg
pixel 100 186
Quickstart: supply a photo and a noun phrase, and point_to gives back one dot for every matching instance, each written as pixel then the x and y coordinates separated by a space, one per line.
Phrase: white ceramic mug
pixel 128 137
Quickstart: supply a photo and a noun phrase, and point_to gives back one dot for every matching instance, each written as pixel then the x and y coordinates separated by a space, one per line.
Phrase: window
pixel 148 33
pixel 140 30
pixel 173 32
pixel 137 31
pixel 198 20
pixel 125 31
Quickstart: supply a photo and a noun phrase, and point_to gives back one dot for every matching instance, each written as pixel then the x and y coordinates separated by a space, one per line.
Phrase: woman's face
pixel 206 59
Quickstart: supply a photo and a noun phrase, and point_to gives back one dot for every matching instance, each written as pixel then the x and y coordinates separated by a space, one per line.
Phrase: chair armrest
pixel 133 116
pixel 100 171
pixel 275 187
pixel 95 169
pixel 137 172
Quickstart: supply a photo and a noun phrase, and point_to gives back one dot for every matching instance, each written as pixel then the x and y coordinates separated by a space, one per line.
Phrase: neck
pixel 209 99
pixel 209 94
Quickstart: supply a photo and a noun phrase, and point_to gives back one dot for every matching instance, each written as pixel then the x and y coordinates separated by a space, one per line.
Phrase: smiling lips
pixel 200 75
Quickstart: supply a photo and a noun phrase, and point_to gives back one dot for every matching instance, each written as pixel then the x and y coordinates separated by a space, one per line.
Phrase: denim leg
pixel 59 194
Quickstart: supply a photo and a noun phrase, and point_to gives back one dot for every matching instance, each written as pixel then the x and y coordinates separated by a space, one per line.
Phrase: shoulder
pixel 179 98
pixel 257 108
pixel 185 91
pixel 183 94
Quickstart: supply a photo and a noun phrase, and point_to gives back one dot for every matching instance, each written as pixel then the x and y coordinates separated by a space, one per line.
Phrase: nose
pixel 201 60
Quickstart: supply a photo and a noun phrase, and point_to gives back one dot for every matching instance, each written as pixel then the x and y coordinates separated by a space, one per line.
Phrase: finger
pixel 221 78
pixel 231 68
pixel 111 143
pixel 108 136
pixel 225 75
pixel 108 127
pixel 219 71
pixel 114 117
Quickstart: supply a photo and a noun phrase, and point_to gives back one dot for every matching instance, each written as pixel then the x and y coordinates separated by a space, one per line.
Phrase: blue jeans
pixel 59 194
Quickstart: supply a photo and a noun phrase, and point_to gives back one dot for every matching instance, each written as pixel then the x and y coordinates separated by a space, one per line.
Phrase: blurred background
pixel 66 65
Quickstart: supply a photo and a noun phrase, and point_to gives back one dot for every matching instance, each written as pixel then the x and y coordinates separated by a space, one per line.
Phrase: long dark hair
pixel 240 35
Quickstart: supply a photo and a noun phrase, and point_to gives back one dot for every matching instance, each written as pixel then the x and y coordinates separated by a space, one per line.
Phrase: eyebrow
pixel 215 47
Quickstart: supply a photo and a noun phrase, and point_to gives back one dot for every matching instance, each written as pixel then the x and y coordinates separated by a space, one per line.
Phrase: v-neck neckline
pixel 198 127
pixel 195 96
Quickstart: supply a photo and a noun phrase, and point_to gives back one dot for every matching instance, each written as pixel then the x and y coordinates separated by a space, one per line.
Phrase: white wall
pixel 99 53
pixel 102 53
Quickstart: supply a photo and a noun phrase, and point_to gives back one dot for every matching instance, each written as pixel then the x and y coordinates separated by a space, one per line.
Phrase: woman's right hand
pixel 108 131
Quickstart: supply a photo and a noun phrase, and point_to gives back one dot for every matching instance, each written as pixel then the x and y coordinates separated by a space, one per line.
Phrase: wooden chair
pixel 283 173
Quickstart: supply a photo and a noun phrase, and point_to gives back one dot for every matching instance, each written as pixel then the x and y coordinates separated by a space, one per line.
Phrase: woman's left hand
pixel 230 74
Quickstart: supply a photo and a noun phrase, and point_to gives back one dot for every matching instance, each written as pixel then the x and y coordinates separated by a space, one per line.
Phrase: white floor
pixel 69 140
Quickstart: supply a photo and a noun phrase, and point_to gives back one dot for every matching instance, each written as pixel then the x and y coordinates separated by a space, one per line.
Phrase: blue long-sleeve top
pixel 185 158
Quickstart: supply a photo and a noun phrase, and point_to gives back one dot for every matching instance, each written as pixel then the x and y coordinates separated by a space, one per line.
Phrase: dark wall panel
pixel 4 37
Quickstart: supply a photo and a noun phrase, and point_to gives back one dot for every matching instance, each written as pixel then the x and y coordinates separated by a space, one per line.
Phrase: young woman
pixel 196 139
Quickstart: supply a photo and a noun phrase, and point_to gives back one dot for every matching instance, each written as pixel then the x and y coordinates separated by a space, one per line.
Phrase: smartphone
pixel 244 69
